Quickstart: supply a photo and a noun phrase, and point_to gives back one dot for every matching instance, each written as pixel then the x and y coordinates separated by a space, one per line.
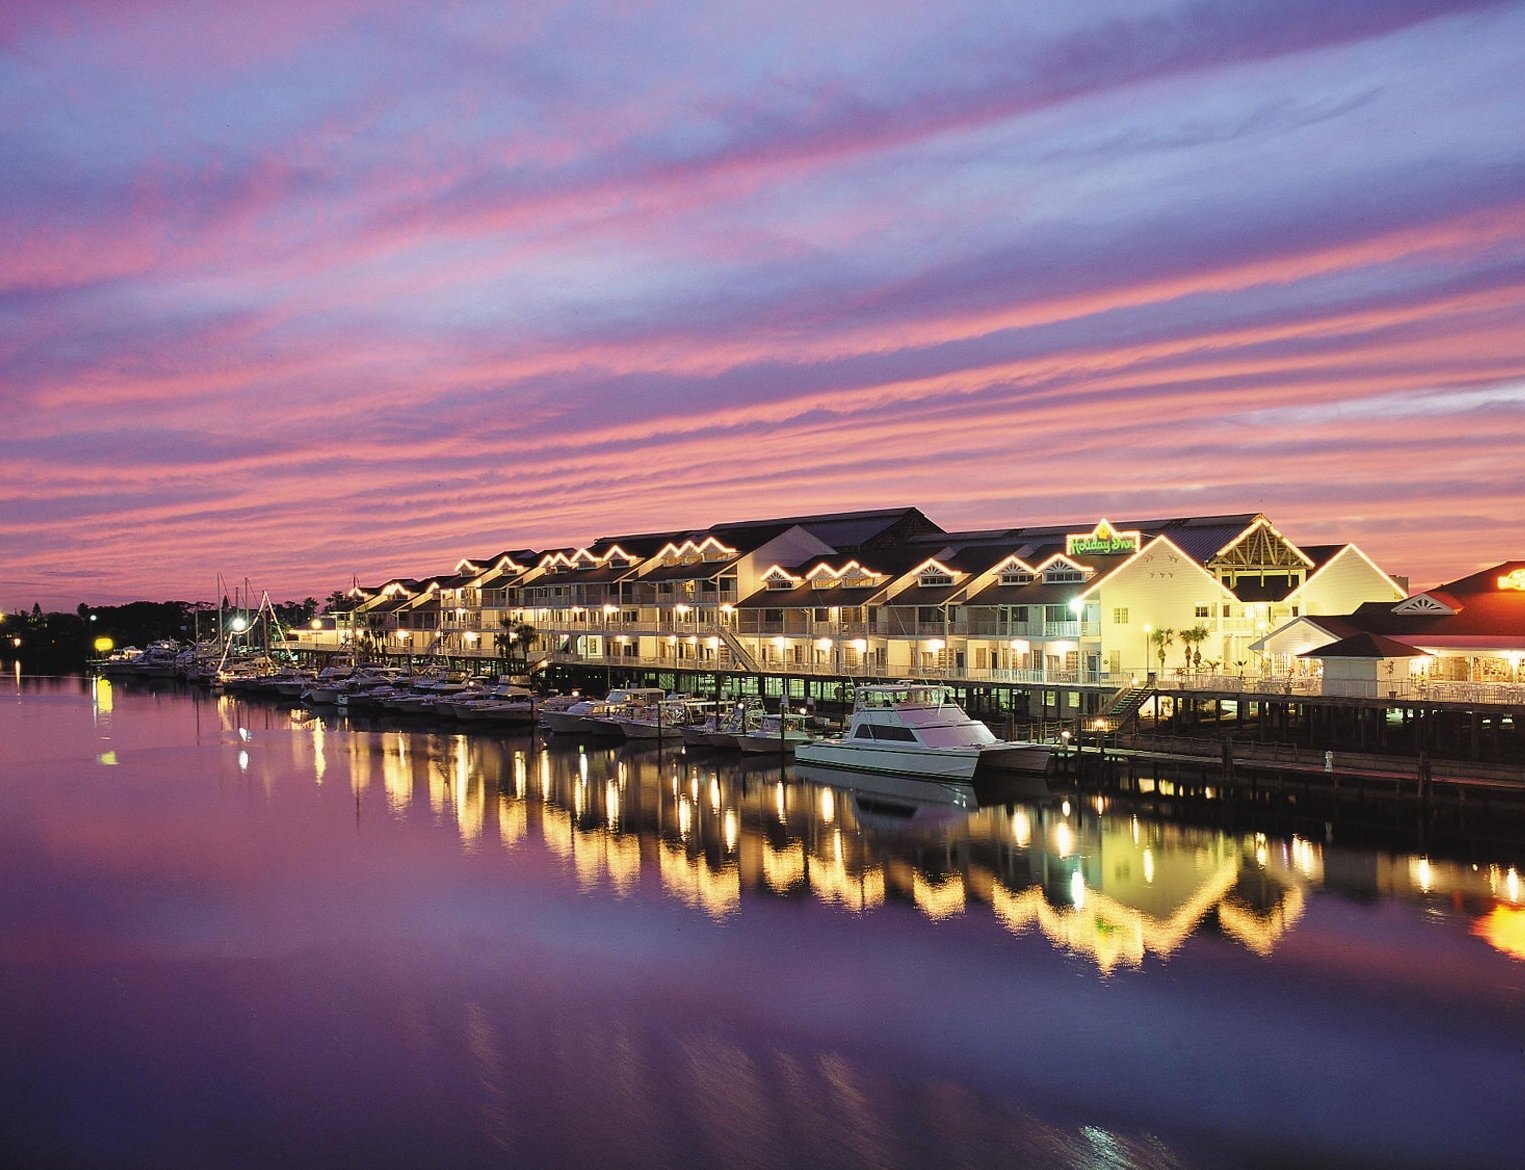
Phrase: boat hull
pixel 959 764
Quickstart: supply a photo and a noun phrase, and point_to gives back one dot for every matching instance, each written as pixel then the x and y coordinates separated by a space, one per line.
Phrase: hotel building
pixel 889 593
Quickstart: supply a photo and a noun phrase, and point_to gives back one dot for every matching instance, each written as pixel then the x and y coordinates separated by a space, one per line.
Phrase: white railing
pixel 726 657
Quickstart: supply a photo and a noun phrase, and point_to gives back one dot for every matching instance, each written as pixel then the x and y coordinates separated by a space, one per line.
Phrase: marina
pixel 739 958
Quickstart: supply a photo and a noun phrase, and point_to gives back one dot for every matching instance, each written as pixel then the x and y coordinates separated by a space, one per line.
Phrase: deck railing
pixel 841 661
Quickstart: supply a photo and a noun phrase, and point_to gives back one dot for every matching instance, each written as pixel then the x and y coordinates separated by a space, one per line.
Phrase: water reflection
pixel 1094 881
pixel 508 954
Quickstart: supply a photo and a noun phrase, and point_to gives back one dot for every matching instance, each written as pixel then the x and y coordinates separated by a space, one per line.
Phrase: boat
pixel 505 701
pixel 776 735
pixel 662 720
pixel 917 729
pixel 725 723
pixel 324 690
pixel 740 719
pixel 596 716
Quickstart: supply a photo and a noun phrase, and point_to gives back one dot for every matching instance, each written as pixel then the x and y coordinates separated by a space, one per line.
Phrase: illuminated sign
pixel 1515 581
pixel 1103 540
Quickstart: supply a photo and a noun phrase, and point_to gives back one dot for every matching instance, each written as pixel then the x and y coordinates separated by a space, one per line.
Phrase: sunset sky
pixel 304 291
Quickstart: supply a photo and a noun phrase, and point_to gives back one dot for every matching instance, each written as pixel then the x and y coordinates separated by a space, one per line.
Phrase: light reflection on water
pixel 1091 881
pixel 583 953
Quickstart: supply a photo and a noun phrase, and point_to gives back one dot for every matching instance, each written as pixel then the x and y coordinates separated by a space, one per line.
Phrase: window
pixel 928 614
pixel 931 579
pixel 884 731
pixel 1203 611
pixel 1120 616
pixel 1016 577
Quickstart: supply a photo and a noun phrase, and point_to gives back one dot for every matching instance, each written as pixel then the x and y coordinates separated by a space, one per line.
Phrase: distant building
pixel 1442 642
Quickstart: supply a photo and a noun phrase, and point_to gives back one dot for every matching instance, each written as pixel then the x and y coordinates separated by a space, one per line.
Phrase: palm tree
pixel 370 635
pixel 1163 640
pixel 1192 639
pixel 513 643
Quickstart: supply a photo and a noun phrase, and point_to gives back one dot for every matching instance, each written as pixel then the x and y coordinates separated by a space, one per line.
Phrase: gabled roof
pixel 637 547
pixel 499 577
pixel 890 564
pixel 1262 591
pixel 581 575
pixel 1322 554
pixel 807 596
pixel 391 605
pixel 843 531
pixel 519 556
pixel 1364 646
pixel 696 571
pixel 1481 609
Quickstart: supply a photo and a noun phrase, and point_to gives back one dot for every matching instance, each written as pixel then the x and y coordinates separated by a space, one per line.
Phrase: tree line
pixel 70 638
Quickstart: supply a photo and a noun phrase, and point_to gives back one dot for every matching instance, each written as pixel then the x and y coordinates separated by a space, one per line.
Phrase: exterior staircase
pixel 1123 705
pixel 738 651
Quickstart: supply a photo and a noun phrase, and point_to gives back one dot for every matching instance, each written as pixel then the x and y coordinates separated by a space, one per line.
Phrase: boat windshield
pixel 911 695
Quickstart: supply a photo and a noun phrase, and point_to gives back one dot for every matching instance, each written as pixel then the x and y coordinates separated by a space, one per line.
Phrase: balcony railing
pixel 843 662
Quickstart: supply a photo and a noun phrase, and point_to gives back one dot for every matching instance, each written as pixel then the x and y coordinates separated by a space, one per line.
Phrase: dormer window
pixel 780 583
pixel 1062 575
pixel 933 579
pixel 1016 577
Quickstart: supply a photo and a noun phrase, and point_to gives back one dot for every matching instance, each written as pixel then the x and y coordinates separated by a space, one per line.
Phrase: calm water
pixel 235 935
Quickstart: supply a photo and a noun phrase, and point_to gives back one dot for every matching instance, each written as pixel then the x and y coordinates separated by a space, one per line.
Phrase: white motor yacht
pixel 916 729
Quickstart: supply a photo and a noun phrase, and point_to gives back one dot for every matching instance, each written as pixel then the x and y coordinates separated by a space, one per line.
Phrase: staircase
pixel 1122 706
pixel 738 651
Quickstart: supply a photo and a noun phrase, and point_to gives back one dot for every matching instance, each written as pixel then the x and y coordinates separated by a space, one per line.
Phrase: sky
pixel 302 293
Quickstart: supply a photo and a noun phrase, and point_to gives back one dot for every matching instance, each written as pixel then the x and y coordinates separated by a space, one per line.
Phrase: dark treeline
pixel 42 638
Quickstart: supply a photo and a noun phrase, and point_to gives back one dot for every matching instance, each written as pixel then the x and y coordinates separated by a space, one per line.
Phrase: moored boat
pixel 596 716
pixel 776 735
pixel 916 729
pixel 663 720
pixel 740 719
